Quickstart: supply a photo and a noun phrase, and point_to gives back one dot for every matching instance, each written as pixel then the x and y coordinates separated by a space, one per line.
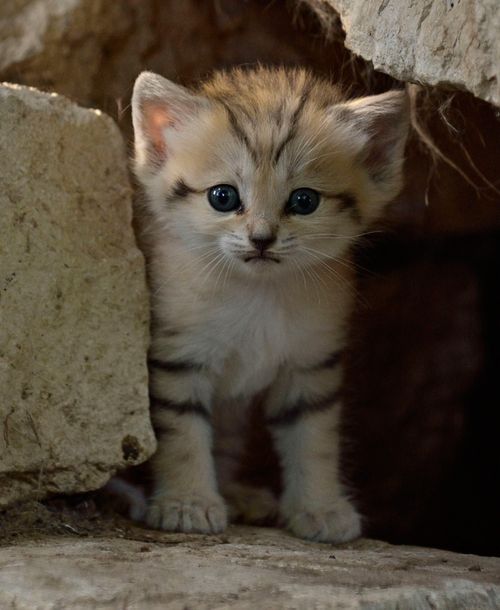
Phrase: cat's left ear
pixel 159 105
pixel 378 127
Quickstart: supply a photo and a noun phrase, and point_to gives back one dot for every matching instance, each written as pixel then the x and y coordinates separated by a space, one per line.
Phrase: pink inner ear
pixel 156 119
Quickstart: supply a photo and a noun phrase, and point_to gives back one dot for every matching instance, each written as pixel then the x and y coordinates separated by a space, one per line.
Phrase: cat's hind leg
pixel 234 446
pixel 250 504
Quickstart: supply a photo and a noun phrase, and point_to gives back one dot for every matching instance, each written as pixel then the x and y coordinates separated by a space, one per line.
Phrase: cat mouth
pixel 261 258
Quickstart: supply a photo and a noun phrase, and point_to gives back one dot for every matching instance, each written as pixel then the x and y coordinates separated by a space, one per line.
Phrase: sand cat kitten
pixel 258 183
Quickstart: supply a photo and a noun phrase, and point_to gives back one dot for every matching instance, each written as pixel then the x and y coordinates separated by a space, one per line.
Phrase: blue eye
pixel 302 201
pixel 224 198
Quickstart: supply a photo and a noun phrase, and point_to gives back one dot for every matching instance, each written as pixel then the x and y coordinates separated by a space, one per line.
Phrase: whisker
pixel 350 264
pixel 214 261
pixel 301 271
pixel 224 262
pixel 198 260
pixel 324 235
pixel 296 268
pixel 316 279
pixel 341 282
pixel 228 272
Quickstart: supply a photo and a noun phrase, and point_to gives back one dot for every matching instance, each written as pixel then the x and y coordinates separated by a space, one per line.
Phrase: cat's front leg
pixel 185 496
pixel 303 414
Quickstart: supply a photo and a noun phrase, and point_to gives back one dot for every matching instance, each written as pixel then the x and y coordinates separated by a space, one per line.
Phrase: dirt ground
pixel 84 515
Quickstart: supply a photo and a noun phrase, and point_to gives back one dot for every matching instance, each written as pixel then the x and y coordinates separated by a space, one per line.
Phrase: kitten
pixel 258 185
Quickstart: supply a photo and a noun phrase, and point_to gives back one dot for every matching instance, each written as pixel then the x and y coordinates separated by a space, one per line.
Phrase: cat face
pixel 268 171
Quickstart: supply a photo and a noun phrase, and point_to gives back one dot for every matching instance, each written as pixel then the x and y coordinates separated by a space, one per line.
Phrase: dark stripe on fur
pixel 238 131
pixel 292 414
pixel 173 366
pixel 181 408
pixel 180 190
pixel 162 430
pixel 281 147
pixel 348 202
pixel 330 362
pixel 166 332
pixel 293 124
pixel 161 328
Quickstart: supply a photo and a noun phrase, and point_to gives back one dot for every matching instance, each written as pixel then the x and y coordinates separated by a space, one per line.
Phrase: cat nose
pixel 262 243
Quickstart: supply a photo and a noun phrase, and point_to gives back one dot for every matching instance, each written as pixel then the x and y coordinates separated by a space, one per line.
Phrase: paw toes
pixel 217 519
pixel 306 525
pixel 341 523
pixel 202 516
pixel 153 516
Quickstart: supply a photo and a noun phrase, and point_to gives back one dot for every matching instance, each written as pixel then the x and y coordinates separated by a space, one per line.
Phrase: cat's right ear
pixel 158 105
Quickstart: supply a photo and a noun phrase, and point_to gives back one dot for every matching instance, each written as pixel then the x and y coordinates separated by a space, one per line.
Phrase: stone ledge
pixel 247 568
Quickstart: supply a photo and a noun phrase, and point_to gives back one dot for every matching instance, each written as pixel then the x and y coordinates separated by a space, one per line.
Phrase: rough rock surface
pixel 92 50
pixel 73 303
pixel 451 42
pixel 246 569
pixel 58 44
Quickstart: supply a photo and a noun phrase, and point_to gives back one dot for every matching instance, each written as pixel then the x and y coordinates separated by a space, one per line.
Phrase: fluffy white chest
pixel 250 335
pixel 253 342
pixel 245 332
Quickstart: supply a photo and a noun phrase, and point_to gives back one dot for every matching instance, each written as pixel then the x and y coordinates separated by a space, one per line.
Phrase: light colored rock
pixel 247 569
pixel 450 42
pixel 59 44
pixel 93 50
pixel 73 303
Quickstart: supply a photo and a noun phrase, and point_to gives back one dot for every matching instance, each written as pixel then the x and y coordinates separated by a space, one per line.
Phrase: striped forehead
pixel 266 131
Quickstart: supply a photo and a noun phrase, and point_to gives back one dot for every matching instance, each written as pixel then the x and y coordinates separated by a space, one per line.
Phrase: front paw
pixel 188 514
pixel 340 522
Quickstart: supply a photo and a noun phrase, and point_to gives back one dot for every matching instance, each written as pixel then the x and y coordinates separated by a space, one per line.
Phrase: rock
pixel 59 44
pixel 247 568
pixel 73 302
pixel 450 43
pixel 93 50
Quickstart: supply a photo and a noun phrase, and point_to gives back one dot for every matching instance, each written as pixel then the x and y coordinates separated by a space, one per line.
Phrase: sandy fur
pixel 246 328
